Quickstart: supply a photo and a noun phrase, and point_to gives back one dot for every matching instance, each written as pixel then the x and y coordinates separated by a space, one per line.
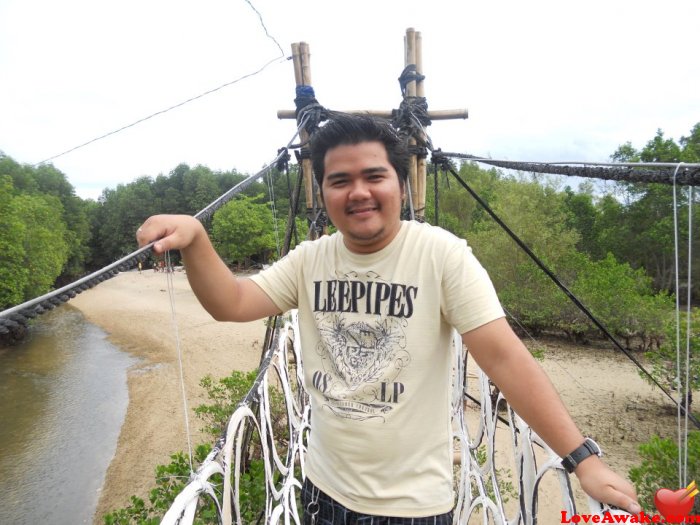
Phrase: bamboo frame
pixel 302 75
pixel 413 54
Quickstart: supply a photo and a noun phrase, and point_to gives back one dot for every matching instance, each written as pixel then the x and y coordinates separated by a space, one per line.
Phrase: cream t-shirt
pixel 375 335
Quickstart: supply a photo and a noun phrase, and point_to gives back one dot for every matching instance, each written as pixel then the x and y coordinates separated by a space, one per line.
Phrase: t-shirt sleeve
pixel 469 298
pixel 281 280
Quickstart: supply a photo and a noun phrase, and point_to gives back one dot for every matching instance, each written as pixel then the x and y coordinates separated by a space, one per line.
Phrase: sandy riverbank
pixel 605 394
pixel 135 310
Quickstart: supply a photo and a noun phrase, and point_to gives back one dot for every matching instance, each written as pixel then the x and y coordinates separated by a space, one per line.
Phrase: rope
pixel 479 490
pixel 176 334
pixel 15 318
pixel 627 172
pixel 408 75
pixel 262 23
pixel 681 476
pixel 537 343
pixel 561 286
pixel 144 119
pixel 293 210
pixel 688 326
pixel 308 110
pixel 273 210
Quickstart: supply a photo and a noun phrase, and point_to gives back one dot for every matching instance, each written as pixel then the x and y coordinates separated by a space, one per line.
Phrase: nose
pixel 359 190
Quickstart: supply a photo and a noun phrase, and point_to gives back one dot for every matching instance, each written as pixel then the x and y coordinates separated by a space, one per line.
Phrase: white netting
pixel 481 485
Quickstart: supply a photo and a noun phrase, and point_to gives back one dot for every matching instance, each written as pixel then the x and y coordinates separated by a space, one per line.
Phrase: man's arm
pixel 506 361
pixel 223 295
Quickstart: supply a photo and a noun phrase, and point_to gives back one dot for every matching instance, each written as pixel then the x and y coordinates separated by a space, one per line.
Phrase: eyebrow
pixel 366 171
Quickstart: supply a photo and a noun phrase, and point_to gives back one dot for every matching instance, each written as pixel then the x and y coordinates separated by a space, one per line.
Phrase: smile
pixel 364 209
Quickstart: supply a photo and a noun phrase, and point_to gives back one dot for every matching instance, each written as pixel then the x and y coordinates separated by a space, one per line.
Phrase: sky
pixel 542 80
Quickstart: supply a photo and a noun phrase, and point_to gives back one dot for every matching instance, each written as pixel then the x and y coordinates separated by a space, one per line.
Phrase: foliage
pixel 45 247
pixel 621 298
pixel 644 225
pixel 506 488
pixel 14 274
pixel 45 231
pixel 242 229
pixel 659 468
pixel 536 214
pixel 225 394
pixel 663 361
pixel 170 480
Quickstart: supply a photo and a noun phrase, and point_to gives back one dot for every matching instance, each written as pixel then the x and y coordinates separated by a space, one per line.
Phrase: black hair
pixel 344 129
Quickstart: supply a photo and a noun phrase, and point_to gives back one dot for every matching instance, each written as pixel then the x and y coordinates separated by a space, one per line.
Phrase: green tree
pixel 47 180
pixel 691 145
pixel 45 247
pixel 51 181
pixel 200 188
pixel 645 228
pixel 665 361
pixel 13 272
pixel 659 468
pixel 584 218
pixel 122 211
pixel 621 298
pixel 242 229
pixel 538 215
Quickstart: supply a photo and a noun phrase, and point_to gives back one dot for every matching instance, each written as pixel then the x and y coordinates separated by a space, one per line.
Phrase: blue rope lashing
pixel 409 74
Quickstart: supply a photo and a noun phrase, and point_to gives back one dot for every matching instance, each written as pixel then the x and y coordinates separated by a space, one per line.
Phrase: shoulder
pixel 325 242
pixel 422 232
pixel 309 250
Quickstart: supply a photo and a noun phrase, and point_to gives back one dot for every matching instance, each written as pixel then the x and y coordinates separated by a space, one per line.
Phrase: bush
pixel 663 360
pixel 226 394
pixel 170 480
pixel 659 468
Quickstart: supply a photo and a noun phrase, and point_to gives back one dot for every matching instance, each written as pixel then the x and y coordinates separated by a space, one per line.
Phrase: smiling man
pixel 378 302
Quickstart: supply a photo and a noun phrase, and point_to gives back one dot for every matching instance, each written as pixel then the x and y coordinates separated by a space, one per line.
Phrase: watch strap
pixel 588 448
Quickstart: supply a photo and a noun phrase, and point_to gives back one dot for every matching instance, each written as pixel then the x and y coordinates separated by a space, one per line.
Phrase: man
pixel 377 304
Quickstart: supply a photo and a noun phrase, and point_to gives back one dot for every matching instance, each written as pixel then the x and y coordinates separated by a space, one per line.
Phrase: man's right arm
pixel 223 295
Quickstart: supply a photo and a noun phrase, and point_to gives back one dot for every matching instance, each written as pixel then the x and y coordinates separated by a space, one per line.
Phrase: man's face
pixel 362 195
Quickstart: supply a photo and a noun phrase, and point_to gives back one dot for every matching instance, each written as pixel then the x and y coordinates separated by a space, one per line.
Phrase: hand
pixel 604 485
pixel 171 232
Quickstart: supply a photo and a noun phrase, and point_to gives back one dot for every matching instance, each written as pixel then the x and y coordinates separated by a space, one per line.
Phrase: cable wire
pixel 178 348
pixel 262 23
pixel 679 382
pixel 157 113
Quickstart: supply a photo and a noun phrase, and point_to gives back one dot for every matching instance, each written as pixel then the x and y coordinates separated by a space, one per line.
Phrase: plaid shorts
pixel 321 509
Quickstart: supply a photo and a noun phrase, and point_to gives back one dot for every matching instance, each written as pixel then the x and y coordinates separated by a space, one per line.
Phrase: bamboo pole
pixel 296 58
pixel 437 114
pixel 421 170
pixel 302 75
pixel 410 58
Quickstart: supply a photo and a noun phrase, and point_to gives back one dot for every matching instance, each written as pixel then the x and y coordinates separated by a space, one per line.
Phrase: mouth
pixel 360 210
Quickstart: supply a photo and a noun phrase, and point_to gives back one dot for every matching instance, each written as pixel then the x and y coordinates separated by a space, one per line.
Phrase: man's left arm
pixel 507 362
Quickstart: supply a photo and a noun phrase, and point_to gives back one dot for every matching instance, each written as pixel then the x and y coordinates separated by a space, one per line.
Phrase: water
pixel 63 398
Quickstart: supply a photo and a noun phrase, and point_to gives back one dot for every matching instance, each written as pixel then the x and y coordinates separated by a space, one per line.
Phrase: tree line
pixel 612 244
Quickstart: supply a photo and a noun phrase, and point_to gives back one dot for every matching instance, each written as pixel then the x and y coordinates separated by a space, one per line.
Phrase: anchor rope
pixel 561 286
pixel 178 347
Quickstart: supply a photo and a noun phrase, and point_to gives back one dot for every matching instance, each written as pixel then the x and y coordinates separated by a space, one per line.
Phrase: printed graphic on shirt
pixel 361 322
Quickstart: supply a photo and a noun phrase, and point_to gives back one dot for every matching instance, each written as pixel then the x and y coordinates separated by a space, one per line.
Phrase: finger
pixel 624 498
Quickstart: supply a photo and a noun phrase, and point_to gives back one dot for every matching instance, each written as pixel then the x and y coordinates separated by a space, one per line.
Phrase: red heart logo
pixel 673 504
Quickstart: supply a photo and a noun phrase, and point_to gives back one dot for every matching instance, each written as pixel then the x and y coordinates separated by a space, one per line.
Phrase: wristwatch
pixel 588 448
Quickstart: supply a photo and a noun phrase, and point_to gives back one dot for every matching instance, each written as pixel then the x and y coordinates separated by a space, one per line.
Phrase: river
pixel 63 398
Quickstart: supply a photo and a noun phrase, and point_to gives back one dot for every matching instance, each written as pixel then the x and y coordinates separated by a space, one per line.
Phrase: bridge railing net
pixel 487 491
